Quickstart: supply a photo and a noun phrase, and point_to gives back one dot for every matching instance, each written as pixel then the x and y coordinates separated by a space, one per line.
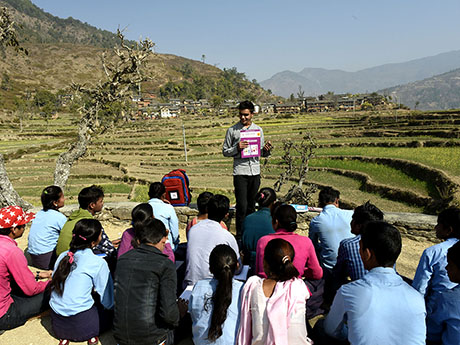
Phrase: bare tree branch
pixel 295 162
pixel 97 109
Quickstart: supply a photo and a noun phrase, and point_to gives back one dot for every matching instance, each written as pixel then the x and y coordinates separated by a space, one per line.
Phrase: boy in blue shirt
pixel 443 325
pixel 431 278
pixel 379 309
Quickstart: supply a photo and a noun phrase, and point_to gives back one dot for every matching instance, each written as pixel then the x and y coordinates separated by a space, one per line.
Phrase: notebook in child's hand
pixel 187 293
pixel 243 276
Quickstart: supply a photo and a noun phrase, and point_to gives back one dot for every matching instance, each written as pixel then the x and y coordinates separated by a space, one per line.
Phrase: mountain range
pixel 316 81
pixel 62 51
pixel 438 92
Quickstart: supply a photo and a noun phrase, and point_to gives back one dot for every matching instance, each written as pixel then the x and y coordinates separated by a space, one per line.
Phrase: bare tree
pixel 97 110
pixel 8 195
pixel 295 161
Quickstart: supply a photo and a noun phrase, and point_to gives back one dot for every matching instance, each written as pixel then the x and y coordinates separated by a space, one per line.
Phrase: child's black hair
pixel 202 202
pixel 150 231
pixel 384 240
pixel 139 214
pixel 451 217
pixel 328 195
pixel 286 216
pixel 222 264
pixel 89 195
pixel 367 212
pixel 218 207
pixel 453 255
pixel 85 232
pixel 265 197
pixel 49 196
pixel 279 256
pixel 156 190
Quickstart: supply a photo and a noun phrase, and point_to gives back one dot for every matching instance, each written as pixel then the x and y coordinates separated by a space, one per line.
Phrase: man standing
pixel 244 142
pixel 330 227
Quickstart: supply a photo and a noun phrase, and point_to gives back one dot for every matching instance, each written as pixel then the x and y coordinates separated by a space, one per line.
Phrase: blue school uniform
pixel 89 271
pixel 431 277
pixel 44 232
pixel 443 325
pixel 200 307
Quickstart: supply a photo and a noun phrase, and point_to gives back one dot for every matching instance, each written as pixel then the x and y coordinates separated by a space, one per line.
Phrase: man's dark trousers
pixel 246 188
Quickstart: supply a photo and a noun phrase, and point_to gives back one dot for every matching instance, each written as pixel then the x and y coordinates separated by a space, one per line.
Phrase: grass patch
pixel 380 174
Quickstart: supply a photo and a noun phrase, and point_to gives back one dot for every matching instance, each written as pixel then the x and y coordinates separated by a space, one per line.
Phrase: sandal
pixel 93 341
pixel 64 342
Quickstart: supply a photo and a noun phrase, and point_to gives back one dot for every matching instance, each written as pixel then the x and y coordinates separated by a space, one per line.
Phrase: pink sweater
pixel 305 259
pixel 13 267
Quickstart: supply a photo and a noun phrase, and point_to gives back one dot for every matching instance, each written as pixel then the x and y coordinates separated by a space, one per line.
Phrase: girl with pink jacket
pixel 273 308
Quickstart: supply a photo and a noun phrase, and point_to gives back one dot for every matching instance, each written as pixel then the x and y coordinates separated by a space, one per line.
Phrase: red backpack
pixel 177 188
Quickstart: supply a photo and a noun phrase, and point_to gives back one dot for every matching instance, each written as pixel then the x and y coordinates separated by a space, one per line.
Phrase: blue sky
pixel 263 37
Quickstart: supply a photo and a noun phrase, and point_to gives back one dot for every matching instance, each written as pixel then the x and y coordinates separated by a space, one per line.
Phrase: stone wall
pixel 416 226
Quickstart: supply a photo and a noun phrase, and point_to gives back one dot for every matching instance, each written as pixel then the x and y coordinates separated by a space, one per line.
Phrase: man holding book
pixel 244 142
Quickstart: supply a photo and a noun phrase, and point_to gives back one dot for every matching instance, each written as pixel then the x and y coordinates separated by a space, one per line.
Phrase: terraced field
pixel 400 161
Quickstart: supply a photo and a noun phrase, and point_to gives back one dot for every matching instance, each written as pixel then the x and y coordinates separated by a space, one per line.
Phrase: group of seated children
pixel 134 292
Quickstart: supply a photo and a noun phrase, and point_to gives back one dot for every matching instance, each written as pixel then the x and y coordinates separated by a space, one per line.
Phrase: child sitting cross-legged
pixel 214 303
pixel 82 288
pixel 273 308
pixel 443 324
pixel 431 278
pixel 139 213
pixel 146 311
pixel 45 229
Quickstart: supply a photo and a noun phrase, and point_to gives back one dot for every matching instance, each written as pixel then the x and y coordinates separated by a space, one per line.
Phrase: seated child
pixel 91 201
pixel 214 303
pixel 202 203
pixel 164 212
pixel 380 308
pixel 45 229
pixel 146 311
pixel 443 324
pixel 258 224
pixel 128 241
pixel 21 295
pixel 204 237
pixel 75 314
pixel 431 278
pixel 273 308
pixel 285 223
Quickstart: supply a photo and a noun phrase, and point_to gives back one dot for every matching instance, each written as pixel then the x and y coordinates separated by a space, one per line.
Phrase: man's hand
pixel 242 145
pixel 268 146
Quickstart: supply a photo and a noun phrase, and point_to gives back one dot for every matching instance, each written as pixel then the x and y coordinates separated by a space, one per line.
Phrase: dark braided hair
pixel 85 232
pixel 222 264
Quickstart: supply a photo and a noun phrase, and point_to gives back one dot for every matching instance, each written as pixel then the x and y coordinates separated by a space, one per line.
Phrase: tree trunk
pixel 66 159
pixel 8 196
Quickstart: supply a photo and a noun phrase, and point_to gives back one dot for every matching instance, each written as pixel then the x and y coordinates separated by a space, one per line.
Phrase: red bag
pixel 177 188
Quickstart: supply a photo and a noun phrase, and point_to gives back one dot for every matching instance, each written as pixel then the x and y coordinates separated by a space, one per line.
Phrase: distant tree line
pixel 230 84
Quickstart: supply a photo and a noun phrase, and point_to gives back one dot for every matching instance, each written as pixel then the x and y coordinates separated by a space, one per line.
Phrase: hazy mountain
pixel 438 92
pixel 39 26
pixel 62 51
pixel 316 81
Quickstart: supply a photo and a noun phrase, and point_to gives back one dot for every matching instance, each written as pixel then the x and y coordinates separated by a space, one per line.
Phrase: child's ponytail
pixel 223 264
pixel 85 232
pixel 279 256
pixel 286 216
